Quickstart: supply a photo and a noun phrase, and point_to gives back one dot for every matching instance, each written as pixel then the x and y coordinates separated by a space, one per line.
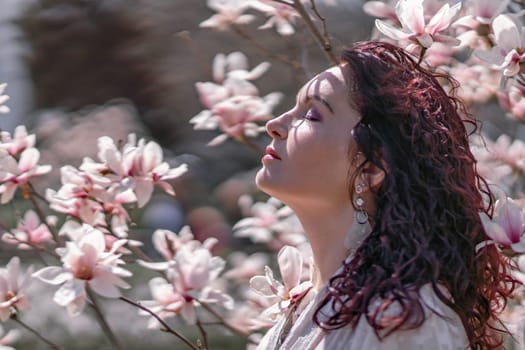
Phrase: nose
pixel 276 129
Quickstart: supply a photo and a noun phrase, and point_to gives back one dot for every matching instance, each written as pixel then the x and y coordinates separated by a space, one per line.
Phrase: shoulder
pixel 441 329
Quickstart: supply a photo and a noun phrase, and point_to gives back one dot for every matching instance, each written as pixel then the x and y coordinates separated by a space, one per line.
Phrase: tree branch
pixel 52 345
pixel 324 42
pixel 167 328
pixel 103 323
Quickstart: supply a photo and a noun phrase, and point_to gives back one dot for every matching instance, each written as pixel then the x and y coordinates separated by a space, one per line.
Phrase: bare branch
pixel 167 328
pixel 324 42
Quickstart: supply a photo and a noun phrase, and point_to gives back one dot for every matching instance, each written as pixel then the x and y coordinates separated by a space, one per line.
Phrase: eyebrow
pixel 320 99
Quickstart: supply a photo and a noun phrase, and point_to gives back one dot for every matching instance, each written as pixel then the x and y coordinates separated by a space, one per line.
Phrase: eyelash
pixel 313 115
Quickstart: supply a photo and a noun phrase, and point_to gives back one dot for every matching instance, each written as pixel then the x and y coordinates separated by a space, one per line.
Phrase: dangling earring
pixel 360 228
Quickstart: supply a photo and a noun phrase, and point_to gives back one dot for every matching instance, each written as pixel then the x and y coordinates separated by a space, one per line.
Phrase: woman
pixel 374 160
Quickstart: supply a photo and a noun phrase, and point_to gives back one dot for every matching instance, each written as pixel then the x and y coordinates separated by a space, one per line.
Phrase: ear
pixel 372 175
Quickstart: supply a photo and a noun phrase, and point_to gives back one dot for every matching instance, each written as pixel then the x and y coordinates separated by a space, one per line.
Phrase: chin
pixel 265 182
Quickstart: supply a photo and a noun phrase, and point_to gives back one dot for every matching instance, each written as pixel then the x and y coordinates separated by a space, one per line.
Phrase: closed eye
pixel 313 115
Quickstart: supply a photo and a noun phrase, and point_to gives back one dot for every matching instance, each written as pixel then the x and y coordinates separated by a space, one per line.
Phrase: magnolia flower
pixel 78 195
pixel 12 288
pixel 381 9
pixel 168 243
pixel 3 99
pixel 507 226
pixel 86 263
pixel 513 101
pixel 18 142
pixel 14 174
pixel 188 285
pixel 414 27
pixel 477 83
pixel 249 316
pixel 288 292
pixel 269 222
pixel 246 266
pixel 30 231
pixel 231 76
pixel 235 66
pixel 139 167
pixel 509 51
pixel 228 12
pixel 8 338
pixel 480 14
pixel 281 15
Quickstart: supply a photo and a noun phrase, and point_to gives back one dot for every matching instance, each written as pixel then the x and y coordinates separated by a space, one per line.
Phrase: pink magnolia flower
pixel 507 227
pixel 513 101
pixel 282 16
pixel 189 284
pixel 414 27
pixel 86 263
pixel 244 266
pixel 3 99
pixel 12 288
pixel 480 14
pixel 138 166
pixel 235 66
pixel 499 162
pixel 228 12
pixel 168 243
pixel 291 290
pixel 238 115
pixel 232 77
pixel 78 195
pixel 18 142
pixel 30 231
pixel 381 9
pixel 9 338
pixel 15 174
pixel 509 51
pixel 249 316
pixel 269 222
pixel 477 83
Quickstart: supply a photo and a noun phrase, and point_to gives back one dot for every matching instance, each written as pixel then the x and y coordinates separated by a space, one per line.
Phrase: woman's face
pixel 310 155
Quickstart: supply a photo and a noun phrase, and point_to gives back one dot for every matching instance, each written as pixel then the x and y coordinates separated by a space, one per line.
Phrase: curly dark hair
pixel 427 223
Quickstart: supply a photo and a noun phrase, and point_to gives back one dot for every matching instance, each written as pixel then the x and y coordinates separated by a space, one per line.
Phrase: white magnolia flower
pixel 414 26
pixel 291 289
pixel 509 51
pixel 507 227
pixel 17 173
pixel 189 283
pixel 17 143
pixel 282 16
pixel 12 288
pixel 228 12
pixel 30 231
pixel 86 263
pixel 269 222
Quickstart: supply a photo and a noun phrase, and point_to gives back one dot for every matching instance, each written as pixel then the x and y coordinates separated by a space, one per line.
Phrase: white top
pixel 446 333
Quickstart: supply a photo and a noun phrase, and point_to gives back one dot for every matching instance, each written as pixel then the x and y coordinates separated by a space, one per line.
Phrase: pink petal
pixel 260 285
pixel 506 32
pixel 53 275
pixel 291 266
pixel 390 31
pixel 8 191
pixel 411 15
pixel 28 159
pixel 143 189
pixel 103 284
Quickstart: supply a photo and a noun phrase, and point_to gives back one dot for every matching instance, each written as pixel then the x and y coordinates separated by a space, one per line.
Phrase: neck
pixel 326 228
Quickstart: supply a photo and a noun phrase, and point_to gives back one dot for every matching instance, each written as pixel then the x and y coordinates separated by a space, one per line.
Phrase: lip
pixel 271 152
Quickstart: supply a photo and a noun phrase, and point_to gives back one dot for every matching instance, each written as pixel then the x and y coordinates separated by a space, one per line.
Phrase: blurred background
pixel 80 69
